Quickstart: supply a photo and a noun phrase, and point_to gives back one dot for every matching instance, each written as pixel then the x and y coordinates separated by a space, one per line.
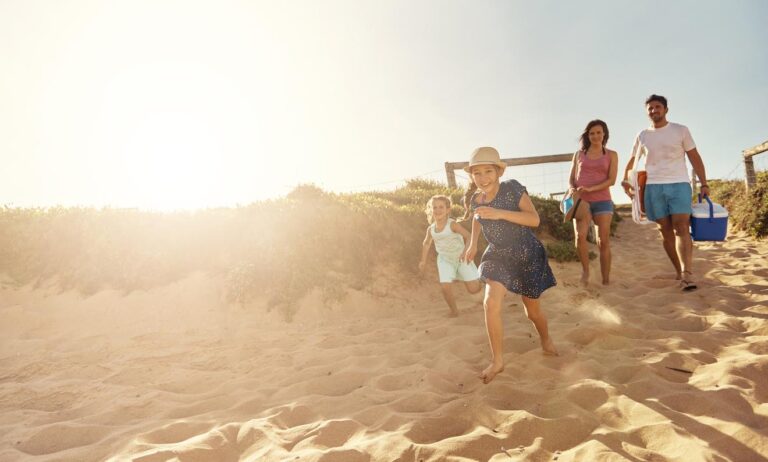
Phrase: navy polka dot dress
pixel 514 257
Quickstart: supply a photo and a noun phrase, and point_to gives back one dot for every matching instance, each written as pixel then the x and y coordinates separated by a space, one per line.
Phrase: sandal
pixel 686 285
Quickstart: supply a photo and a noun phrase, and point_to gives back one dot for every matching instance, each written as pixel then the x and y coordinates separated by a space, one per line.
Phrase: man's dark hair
pixel 658 98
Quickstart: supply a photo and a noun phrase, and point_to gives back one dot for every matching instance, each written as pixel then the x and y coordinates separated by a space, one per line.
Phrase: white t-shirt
pixel 665 149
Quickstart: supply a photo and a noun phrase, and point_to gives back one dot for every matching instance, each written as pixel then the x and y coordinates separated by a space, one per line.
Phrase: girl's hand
pixel 422 265
pixel 489 213
pixel 583 189
pixel 469 254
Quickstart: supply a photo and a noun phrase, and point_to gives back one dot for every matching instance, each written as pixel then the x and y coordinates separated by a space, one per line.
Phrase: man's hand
pixel 704 189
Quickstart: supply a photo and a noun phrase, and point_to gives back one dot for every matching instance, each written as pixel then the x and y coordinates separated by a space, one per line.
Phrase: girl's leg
pixel 603 223
pixel 494 295
pixel 473 287
pixel 581 229
pixel 449 298
pixel 539 320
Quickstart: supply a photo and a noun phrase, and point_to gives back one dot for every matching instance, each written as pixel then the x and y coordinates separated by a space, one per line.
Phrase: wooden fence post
pixel 749 165
pixel 749 170
pixel 694 180
pixel 450 175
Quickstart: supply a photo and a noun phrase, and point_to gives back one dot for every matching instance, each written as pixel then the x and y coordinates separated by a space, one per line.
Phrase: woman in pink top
pixel 593 172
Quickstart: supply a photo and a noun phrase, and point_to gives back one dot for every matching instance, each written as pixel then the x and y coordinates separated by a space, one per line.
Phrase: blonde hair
pixel 438 197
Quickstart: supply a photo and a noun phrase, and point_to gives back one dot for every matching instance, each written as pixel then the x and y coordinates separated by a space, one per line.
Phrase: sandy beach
pixel 646 372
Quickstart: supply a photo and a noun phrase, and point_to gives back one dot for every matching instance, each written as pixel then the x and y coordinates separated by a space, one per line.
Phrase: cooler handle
pixel 711 208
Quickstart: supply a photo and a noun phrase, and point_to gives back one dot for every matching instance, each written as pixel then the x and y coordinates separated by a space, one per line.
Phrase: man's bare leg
pixel 684 246
pixel 669 240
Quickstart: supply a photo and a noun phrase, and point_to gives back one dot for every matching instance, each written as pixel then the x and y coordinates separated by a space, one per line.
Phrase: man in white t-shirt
pixel 668 194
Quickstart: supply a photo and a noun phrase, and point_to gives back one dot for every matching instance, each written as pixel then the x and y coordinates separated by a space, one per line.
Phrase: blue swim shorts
pixel 663 200
pixel 601 208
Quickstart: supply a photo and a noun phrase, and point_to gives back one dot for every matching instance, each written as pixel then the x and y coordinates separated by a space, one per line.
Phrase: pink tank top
pixel 591 172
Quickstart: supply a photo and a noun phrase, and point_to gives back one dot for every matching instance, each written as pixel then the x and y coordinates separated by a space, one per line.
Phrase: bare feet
pixel 606 282
pixel 490 372
pixel 549 348
pixel 584 279
pixel 453 314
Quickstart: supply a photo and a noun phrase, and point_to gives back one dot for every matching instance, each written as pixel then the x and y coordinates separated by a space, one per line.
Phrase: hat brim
pixel 501 165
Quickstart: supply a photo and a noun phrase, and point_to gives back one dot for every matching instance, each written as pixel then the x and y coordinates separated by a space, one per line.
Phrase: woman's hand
pixel 489 213
pixel 583 189
pixel 628 189
pixel 422 265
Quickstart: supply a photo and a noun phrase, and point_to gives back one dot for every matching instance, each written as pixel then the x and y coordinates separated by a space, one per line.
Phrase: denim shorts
pixel 663 200
pixel 601 208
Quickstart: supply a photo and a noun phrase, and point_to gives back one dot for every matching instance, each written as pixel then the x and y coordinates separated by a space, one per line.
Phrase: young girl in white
pixel 450 240
pixel 515 260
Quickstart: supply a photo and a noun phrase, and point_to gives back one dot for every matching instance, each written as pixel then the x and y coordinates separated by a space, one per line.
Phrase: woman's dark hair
pixel 585 144
pixel 658 98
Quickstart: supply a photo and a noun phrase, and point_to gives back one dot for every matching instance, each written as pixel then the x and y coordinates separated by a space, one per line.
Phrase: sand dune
pixel 646 372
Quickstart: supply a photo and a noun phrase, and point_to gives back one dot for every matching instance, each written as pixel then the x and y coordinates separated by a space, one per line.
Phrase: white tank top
pixel 447 243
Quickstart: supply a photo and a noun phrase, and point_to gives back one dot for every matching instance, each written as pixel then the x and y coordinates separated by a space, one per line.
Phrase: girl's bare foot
pixel 453 314
pixel 606 282
pixel 490 372
pixel 585 279
pixel 549 348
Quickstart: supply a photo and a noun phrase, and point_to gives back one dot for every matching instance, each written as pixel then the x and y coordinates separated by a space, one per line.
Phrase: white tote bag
pixel 637 213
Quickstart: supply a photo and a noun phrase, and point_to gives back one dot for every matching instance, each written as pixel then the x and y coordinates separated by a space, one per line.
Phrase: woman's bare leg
pixel 603 223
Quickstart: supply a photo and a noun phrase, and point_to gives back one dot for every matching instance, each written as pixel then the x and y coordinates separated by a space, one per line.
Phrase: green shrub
pixel 563 251
pixel 747 212
pixel 276 250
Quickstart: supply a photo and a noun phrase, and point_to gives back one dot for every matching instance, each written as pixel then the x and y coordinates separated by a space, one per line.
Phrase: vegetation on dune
pixel 279 249
pixel 747 212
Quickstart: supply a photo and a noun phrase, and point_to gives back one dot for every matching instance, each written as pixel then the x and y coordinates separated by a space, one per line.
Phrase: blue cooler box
pixel 709 221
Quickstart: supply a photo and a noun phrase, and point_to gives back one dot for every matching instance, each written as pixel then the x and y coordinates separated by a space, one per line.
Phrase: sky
pixel 162 104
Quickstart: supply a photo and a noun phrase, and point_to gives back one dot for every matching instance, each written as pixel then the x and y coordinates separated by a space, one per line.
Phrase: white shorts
pixel 450 270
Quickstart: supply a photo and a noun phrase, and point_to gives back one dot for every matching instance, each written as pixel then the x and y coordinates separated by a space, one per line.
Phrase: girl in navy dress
pixel 515 260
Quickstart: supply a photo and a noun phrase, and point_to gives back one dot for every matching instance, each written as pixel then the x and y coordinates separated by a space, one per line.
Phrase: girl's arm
pixel 527 216
pixel 457 228
pixel 612 171
pixel 470 250
pixel 425 250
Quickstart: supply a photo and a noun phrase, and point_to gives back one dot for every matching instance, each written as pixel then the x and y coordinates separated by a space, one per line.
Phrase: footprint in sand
pixel 428 431
pixel 60 437
pixel 328 434
pixel 174 433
